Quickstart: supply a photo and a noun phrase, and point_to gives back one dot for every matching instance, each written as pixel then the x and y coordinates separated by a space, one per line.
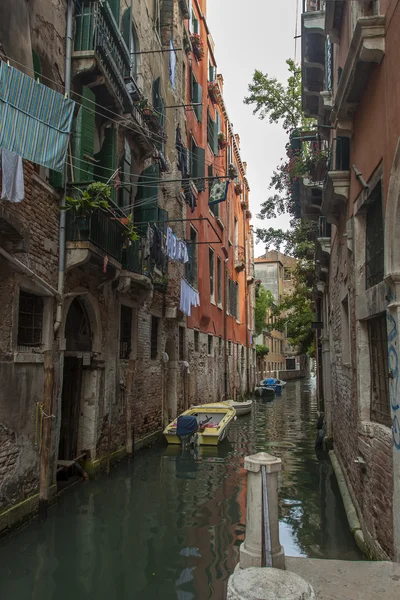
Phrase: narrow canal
pixel 170 527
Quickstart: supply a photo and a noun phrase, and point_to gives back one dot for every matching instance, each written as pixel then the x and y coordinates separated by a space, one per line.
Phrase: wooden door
pixel 70 408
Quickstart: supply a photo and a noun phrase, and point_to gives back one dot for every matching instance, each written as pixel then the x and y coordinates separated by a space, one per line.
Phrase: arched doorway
pixel 78 340
pixel 171 375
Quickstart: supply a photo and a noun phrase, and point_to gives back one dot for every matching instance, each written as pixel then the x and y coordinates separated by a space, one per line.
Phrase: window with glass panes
pixel 30 320
pixel 211 271
pixel 219 281
pixel 378 346
pixel 210 344
pixel 191 265
pixel 125 332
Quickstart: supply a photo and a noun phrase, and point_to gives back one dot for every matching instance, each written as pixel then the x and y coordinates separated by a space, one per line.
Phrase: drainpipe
pixel 61 261
pixel 47 416
pixel 246 290
pixel 225 334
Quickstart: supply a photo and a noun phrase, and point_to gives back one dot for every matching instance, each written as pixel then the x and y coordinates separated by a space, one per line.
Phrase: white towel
pixel 12 177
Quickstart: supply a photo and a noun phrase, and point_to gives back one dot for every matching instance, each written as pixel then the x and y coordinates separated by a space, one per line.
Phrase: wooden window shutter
pixel 146 201
pixel 107 158
pixel 199 166
pixel 115 6
pixel 126 26
pixel 37 66
pixel 83 139
pixel 198 98
pixel 215 138
pixel 124 193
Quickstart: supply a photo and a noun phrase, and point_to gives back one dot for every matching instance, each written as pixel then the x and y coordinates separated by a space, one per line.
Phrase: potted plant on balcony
pixel 222 141
pixel 161 285
pixel 130 233
pixel 232 171
pixel 317 164
pixel 198 46
pixel 96 196
pixel 213 92
pixel 238 189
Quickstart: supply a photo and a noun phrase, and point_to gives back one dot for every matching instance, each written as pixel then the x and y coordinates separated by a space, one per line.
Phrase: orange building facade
pixel 221 267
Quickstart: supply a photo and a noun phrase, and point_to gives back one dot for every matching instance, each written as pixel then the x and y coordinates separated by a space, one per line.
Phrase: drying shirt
pixel 189 297
pixel 12 177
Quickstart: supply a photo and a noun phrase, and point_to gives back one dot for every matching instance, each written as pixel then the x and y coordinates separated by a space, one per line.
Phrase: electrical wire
pixel 151 135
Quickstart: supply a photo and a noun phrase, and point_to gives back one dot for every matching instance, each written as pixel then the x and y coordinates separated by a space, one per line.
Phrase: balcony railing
pixel 97 32
pixel 100 228
pixel 313 6
pixel 133 258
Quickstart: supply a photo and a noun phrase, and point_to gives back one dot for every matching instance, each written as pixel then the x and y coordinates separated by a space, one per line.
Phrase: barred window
pixel 380 403
pixel 375 239
pixel 233 298
pixel 196 341
pixel 125 335
pixel 30 320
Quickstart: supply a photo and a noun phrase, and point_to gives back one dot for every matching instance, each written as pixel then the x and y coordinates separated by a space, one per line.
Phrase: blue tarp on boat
pixel 186 425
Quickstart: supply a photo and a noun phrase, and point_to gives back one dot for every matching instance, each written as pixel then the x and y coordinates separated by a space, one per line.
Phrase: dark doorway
pixel 70 409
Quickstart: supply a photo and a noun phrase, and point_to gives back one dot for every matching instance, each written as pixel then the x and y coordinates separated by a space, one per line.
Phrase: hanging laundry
pixel 189 297
pixel 12 173
pixel 35 120
pixel 176 248
pixel 172 63
pixel 148 242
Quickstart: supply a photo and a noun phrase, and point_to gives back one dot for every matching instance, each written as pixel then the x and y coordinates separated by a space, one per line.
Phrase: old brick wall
pixel 371 488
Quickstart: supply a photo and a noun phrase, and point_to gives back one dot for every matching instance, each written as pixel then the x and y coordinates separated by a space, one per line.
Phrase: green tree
pixel 282 104
pixel 264 301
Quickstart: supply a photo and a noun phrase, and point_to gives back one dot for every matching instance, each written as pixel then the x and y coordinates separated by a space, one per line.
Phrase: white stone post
pixel 251 549
pixel 268 584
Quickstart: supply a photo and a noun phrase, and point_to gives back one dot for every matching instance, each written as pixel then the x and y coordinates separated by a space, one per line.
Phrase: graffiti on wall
pixel 393 361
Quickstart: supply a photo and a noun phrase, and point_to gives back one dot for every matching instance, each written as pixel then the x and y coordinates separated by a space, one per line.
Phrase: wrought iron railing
pixel 313 6
pixel 100 228
pixel 135 258
pixel 97 31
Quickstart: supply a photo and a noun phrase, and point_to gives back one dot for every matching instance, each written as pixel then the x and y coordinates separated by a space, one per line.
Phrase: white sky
pixel 249 35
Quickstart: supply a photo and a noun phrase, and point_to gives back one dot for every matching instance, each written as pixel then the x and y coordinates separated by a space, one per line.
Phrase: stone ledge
pixel 19 513
pixel 366 50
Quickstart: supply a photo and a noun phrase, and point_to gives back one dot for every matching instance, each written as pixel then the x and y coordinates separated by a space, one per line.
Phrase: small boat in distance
pixel 270 386
pixel 206 425
pixel 242 408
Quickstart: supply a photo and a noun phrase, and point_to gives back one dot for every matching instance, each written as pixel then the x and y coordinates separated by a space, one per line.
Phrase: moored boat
pixel 242 408
pixel 206 425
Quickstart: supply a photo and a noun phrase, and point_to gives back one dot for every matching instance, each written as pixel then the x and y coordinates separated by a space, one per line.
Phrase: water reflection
pixel 170 524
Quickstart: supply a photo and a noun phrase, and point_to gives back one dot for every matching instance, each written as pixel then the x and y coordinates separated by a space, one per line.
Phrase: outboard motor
pixel 186 429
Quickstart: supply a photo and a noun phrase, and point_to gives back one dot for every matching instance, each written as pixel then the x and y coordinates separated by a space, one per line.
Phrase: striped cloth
pixel 35 121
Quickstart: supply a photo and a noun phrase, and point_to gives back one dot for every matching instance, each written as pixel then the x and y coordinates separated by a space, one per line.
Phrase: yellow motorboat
pixel 206 425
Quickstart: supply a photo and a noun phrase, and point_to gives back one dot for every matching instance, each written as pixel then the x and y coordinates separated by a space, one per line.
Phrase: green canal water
pixel 169 527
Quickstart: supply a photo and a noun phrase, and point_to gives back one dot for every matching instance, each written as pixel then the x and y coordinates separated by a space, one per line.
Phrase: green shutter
pixel 215 139
pixel 146 199
pixel 199 166
pixel 56 179
pixel 84 24
pixel 37 66
pixel 83 139
pixel 126 27
pixel 195 25
pixel 211 72
pixel 115 5
pixel 124 194
pixel 107 158
pixel 198 98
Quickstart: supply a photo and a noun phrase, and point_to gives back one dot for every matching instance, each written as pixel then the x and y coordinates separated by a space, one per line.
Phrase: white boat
pixel 242 408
